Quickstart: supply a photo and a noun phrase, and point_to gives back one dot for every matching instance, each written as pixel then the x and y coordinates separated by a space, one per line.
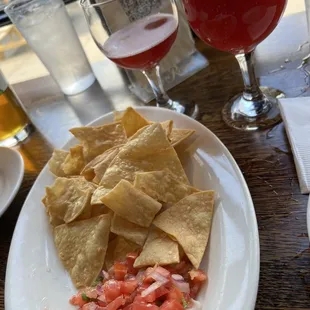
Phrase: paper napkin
pixel 296 116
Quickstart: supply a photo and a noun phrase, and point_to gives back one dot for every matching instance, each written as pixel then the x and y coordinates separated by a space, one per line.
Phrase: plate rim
pixel 254 241
pixel 21 167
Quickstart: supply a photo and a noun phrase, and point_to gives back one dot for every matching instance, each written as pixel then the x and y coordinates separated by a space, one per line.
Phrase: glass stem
pixel 251 91
pixel 154 78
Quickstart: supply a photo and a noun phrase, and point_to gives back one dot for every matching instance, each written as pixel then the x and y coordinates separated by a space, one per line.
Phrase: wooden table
pixel 267 163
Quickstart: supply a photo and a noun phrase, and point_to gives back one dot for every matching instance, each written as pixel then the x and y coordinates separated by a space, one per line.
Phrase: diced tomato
pixel 175 294
pixel 197 275
pixel 162 271
pixel 143 306
pixel 149 272
pixel 91 293
pixel 120 270
pixel 151 297
pixel 77 300
pixel 130 298
pixel 124 287
pixel 161 291
pixel 116 303
pixel 130 260
pixel 171 305
pixel 142 287
pixel 128 286
pixel 131 257
pixel 101 303
pixel 147 275
pixel 195 288
pixel 111 289
pixel 181 268
pixel 92 306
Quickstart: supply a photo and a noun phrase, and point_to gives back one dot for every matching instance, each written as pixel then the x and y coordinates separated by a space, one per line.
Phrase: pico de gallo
pixel 155 288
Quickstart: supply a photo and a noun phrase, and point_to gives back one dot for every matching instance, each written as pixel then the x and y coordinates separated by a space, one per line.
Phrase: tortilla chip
pixel 68 199
pixel 133 121
pixel 74 161
pixel 118 115
pixel 98 193
pixel 96 140
pixel 128 230
pixel 66 202
pixel 118 249
pixel 97 210
pixel 56 161
pixel 148 150
pixel 189 222
pixel 83 184
pixel 131 204
pixel 163 186
pixel 53 218
pixel 82 248
pixel 179 135
pixel 159 249
pixel 96 168
pixel 167 127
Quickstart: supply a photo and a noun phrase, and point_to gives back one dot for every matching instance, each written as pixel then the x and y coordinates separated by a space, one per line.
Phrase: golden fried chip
pixel 189 222
pixel 133 121
pixel 128 230
pixel 159 249
pixel 82 248
pixel 96 168
pixel 118 115
pixel 74 161
pixel 97 139
pixel 167 127
pixel 118 249
pixel 163 186
pixel 97 210
pixel 179 135
pixel 131 204
pixel 101 168
pixel 98 193
pixel 81 183
pixel 68 199
pixel 56 161
pixel 148 150
pixel 66 202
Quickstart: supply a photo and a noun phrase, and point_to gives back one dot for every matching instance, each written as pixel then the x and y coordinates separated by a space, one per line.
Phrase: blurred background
pixel 276 57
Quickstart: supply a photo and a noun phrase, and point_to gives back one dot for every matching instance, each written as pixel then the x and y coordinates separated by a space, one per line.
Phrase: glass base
pixel 243 114
pixel 18 137
pixel 188 108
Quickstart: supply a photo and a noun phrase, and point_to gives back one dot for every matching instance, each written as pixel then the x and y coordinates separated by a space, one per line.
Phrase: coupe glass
pixel 137 37
pixel 237 26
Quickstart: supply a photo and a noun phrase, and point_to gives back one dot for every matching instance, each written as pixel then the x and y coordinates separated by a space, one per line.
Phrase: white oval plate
pixel 36 279
pixel 308 217
pixel 11 176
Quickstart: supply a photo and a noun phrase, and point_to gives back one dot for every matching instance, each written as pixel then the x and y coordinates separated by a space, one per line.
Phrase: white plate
pixel 11 176
pixel 36 279
pixel 308 217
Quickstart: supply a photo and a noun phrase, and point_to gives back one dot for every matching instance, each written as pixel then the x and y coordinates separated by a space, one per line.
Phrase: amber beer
pixel 14 123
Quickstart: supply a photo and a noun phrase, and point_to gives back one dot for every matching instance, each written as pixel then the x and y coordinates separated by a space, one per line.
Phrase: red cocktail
pixel 237 26
pixel 137 36
pixel 142 44
pixel 234 26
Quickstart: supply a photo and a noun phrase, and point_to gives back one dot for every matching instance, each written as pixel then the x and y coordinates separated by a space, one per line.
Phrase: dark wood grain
pixel 266 161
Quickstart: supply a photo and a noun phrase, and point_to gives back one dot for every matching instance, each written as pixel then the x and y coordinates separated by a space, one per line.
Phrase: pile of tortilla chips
pixel 123 189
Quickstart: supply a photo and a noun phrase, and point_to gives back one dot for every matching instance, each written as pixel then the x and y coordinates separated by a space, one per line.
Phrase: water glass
pixel 46 26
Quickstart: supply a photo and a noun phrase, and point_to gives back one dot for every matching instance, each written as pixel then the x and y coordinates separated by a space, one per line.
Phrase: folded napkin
pixel 296 116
